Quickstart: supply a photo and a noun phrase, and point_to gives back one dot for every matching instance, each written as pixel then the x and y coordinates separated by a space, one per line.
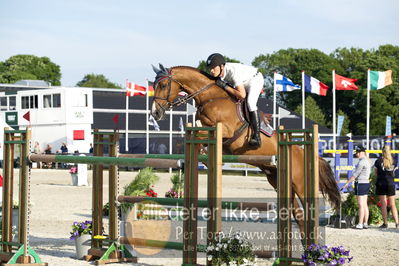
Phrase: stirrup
pixel 255 141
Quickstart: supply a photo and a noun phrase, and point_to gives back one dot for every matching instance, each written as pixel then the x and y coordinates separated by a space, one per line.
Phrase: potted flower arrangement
pixel 230 250
pixel 326 255
pixel 81 233
pixel 177 188
pixel 74 175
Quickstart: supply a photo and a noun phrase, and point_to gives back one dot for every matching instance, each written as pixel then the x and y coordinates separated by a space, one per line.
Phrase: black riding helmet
pixel 215 60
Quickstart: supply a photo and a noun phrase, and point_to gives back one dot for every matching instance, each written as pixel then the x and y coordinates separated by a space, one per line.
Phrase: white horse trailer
pixel 56 115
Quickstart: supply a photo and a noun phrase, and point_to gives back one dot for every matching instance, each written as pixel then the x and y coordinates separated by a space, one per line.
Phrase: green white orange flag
pixel 380 79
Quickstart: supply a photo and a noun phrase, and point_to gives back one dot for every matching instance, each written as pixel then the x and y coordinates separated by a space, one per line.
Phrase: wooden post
pixel 215 149
pixel 113 190
pixel 285 191
pixel 24 193
pixel 8 170
pixel 190 198
pixel 284 195
pixel 97 191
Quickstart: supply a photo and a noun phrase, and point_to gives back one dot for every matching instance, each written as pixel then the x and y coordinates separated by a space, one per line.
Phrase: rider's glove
pixel 221 83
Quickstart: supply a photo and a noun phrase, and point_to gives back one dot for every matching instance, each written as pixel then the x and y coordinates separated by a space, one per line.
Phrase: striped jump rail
pixel 146 162
pixel 250 159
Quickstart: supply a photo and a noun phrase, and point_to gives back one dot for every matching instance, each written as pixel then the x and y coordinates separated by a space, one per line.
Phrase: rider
pixel 242 81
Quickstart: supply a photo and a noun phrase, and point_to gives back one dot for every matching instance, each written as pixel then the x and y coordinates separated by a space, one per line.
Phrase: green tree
pixel 20 67
pixel 348 62
pixel 96 81
pixel 290 63
pixel 382 102
pixel 312 111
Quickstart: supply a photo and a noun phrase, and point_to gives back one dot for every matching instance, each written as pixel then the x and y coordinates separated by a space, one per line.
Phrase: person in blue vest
pixel 243 82
pixel 64 148
pixel 64 151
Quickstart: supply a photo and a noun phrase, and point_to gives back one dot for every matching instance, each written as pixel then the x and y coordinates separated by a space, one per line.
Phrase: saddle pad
pixel 266 129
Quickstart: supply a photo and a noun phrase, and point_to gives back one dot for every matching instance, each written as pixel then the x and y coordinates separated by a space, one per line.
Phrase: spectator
pixel 91 148
pixel 162 149
pixel 385 185
pixel 64 148
pixel 362 186
pixel 48 149
pixel 36 150
pixel 64 151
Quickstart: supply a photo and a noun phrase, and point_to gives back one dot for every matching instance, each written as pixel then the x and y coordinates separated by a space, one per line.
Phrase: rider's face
pixel 216 71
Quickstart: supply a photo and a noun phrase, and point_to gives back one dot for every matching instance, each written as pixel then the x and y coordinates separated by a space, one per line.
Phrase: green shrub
pixel 142 182
pixel 177 186
pixel 375 215
pixel 138 187
pixel 349 206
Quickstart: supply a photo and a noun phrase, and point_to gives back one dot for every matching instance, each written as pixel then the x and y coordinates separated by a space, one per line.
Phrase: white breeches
pixel 254 89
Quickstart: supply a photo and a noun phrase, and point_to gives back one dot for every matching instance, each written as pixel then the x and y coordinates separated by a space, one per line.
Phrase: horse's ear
pixel 162 68
pixel 156 70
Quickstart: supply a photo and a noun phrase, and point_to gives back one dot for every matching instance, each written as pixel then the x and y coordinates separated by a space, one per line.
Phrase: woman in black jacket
pixel 385 185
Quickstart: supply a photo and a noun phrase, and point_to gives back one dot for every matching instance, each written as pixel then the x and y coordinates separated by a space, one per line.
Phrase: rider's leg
pixel 255 139
pixel 254 91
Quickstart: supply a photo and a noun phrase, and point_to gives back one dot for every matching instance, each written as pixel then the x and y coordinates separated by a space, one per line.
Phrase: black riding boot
pixel 255 139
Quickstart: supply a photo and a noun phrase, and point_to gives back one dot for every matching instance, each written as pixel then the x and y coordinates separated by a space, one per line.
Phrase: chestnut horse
pixel 215 105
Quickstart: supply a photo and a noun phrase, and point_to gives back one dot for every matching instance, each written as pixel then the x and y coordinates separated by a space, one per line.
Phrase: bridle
pixel 178 101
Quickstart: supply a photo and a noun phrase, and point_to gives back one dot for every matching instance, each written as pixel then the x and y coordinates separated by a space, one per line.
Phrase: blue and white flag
pixel 153 122
pixel 284 84
pixel 181 125
pixel 388 126
pixel 341 119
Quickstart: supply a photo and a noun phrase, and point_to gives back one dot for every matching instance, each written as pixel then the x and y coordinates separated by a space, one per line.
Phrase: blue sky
pixel 122 38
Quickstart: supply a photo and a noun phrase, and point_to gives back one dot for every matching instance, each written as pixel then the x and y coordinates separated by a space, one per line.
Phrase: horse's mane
pixel 196 70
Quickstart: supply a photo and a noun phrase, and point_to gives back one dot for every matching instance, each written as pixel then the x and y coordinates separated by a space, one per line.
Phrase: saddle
pixel 243 114
pixel 265 119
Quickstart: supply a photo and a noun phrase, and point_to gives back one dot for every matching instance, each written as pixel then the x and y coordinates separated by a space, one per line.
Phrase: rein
pixel 178 101
pixel 185 99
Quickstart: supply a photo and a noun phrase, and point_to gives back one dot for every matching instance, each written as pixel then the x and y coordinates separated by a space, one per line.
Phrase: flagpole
pixel 303 99
pixel 147 133
pixel 194 114
pixel 334 123
pixel 170 134
pixel 274 101
pixel 368 110
pixel 127 121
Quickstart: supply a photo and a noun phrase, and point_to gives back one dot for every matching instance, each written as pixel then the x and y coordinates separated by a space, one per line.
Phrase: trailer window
pixel 56 100
pixel 3 103
pixel 12 103
pixel 47 101
pixel 25 102
pixel 29 102
pixel 52 100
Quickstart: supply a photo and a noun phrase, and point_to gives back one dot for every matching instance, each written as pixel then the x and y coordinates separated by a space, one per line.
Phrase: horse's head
pixel 166 90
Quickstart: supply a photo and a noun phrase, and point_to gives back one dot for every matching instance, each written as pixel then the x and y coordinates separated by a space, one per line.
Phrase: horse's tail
pixel 328 185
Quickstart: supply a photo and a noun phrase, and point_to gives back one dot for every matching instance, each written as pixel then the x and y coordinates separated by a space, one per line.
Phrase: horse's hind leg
pixel 297 211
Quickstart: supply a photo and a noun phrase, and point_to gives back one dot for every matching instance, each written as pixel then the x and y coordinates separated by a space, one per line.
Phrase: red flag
pixel 115 118
pixel 27 116
pixel 134 90
pixel 343 83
